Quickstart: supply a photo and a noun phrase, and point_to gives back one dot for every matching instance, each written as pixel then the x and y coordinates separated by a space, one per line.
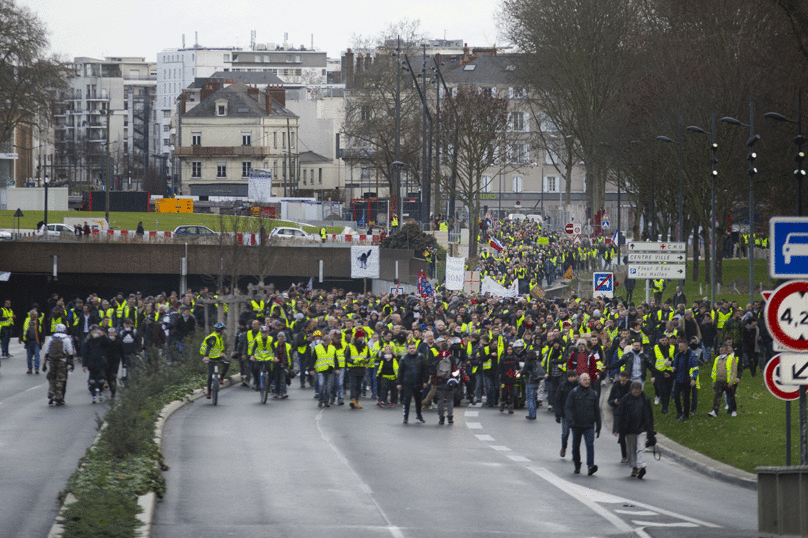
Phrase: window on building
pixel 364 113
pixel 246 138
pixel 246 167
pixel 517 183
pixel 320 172
pixel 292 140
pixel 283 140
pixel 166 141
pixel 275 139
pixel 166 127
pixel 221 170
pixel 304 176
pixel 519 153
pixel 196 169
pixel 487 184
pixel 166 114
pixel 551 184
pixel 517 121
pixel 196 138
pixel 221 110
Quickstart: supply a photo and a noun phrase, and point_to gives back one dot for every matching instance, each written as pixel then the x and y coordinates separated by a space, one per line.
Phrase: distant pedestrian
pixel 412 376
pixel 140 231
pixel 561 395
pixel 59 354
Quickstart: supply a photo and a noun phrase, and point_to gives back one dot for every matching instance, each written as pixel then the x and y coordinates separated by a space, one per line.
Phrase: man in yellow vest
pixel 323 234
pixel 212 349
pixel 725 379
pixel 282 365
pixel 358 357
pixel 7 319
pixel 323 368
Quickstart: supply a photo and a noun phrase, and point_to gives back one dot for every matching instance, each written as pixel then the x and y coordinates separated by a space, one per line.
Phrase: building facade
pixel 231 132
pixel 101 123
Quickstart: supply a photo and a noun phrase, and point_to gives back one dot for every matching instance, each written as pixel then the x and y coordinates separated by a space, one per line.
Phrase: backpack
pixel 444 369
pixel 56 351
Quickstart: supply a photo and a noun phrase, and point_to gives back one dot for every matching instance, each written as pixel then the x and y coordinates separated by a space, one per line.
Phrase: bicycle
pixel 265 381
pixel 215 381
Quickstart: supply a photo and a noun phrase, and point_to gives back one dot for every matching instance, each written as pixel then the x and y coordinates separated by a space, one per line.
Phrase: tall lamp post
pixel 799 173
pixel 713 174
pixel 680 231
pixel 799 140
pixel 753 138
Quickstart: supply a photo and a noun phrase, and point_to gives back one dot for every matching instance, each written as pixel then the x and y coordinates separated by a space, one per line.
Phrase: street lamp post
pixel 680 231
pixel 799 173
pixel 753 138
pixel 713 174
pixel 799 140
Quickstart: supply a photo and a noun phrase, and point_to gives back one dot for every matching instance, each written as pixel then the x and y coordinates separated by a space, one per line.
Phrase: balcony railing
pixel 223 151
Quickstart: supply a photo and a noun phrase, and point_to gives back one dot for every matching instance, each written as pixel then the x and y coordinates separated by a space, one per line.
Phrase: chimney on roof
pixel 268 101
pixel 252 91
pixel 182 103
pixel 278 93
pixel 209 87
pixel 348 68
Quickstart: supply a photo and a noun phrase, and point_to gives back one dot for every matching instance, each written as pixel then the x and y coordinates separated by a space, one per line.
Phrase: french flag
pixel 495 244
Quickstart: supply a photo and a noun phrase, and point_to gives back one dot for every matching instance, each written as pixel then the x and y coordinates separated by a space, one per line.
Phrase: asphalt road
pixel 289 469
pixel 40 446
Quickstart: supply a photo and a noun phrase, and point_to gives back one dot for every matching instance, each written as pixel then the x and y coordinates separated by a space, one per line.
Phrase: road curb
pixel 689 457
pixel 148 501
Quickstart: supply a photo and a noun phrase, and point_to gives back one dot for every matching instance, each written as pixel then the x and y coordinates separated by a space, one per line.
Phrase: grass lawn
pixel 153 221
pixel 757 436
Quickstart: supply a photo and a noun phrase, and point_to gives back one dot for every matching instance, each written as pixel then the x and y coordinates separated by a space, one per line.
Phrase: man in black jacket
pixel 619 390
pixel 412 376
pixel 634 419
pixel 583 415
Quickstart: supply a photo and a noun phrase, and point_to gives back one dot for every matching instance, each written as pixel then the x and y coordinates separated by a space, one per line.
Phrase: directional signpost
pixel 657 257
pixel 793 368
pixel 655 271
pixel 655 260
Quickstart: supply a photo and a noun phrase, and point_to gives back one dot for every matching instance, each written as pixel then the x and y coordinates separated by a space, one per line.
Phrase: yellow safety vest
pixel 660 358
pixel 324 360
pixel 216 350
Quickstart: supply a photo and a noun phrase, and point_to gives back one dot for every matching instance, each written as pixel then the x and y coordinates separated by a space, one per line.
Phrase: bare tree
pixel 373 79
pixel 28 78
pixel 577 55
pixel 477 130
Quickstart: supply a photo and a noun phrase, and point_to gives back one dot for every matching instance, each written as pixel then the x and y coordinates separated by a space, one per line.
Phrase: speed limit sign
pixel 786 315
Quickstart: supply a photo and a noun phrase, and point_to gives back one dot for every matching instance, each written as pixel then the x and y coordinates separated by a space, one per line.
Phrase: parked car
pixel 57 230
pixel 5 235
pixel 297 235
pixel 195 231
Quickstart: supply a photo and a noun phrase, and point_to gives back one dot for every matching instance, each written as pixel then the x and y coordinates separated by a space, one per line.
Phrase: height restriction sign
pixel 786 314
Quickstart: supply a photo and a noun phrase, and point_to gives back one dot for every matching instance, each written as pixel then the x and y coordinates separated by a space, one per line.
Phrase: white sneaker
pixel 726 407
pixel 712 414
pixel 656 400
pixel 734 414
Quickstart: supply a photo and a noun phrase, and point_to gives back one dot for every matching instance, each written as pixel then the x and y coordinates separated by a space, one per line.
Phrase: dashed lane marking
pixel 474 426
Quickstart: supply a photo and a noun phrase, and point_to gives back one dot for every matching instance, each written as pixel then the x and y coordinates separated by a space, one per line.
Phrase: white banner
pixel 455 271
pixel 489 285
pixel 364 261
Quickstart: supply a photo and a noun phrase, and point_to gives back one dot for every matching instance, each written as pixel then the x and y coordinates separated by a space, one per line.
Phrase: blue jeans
pixel 589 438
pixel 32 350
pixel 370 381
pixel 338 388
pixel 325 380
pixel 531 399
pixel 5 338
pixel 490 388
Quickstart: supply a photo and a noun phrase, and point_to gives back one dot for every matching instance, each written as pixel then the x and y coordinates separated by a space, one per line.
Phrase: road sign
pixel 786 315
pixel 577 240
pixel 789 247
pixel 569 228
pixel 670 271
pixel 771 377
pixel 604 224
pixel 603 284
pixel 397 290
pixel 642 246
pixel 794 368
pixel 656 257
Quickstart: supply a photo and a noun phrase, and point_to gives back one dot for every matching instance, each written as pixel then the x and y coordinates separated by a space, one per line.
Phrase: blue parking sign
pixel 788 241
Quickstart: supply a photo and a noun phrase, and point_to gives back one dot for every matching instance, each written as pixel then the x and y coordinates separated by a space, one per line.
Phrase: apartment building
pixel 101 122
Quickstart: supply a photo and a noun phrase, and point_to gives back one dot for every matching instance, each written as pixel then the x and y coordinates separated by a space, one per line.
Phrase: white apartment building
pixel 176 70
pixel 107 100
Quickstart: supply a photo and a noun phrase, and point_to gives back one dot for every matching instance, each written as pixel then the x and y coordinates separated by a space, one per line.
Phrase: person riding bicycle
pixel 260 353
pixel 213 350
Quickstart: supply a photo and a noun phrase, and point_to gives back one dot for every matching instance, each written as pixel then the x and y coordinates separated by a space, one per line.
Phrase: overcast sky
pixel 96 28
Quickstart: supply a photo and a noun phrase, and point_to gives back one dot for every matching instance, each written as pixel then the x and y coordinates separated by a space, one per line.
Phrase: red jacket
pixel 583 363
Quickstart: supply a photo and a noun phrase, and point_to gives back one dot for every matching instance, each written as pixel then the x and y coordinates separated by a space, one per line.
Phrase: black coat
pixel 582 410
pixel 561 396
pixel 634 415
pixel 616 394
pixel 412 370
pixel 94 352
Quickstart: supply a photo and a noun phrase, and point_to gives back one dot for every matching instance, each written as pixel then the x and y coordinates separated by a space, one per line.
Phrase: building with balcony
pixel 231 132
pixel 109 101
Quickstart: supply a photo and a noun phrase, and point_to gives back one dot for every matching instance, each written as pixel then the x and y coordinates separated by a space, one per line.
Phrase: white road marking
pixel 587 496
pixel 501 448
pixel 514 457
pixel 483 437
pixel 471 413
pixel 637 512
pixel 394 531
pixel 474 426
pixel 655 524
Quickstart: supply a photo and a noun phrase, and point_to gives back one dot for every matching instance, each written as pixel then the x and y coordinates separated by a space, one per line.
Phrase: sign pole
pixel 788 433
pixel 803 428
